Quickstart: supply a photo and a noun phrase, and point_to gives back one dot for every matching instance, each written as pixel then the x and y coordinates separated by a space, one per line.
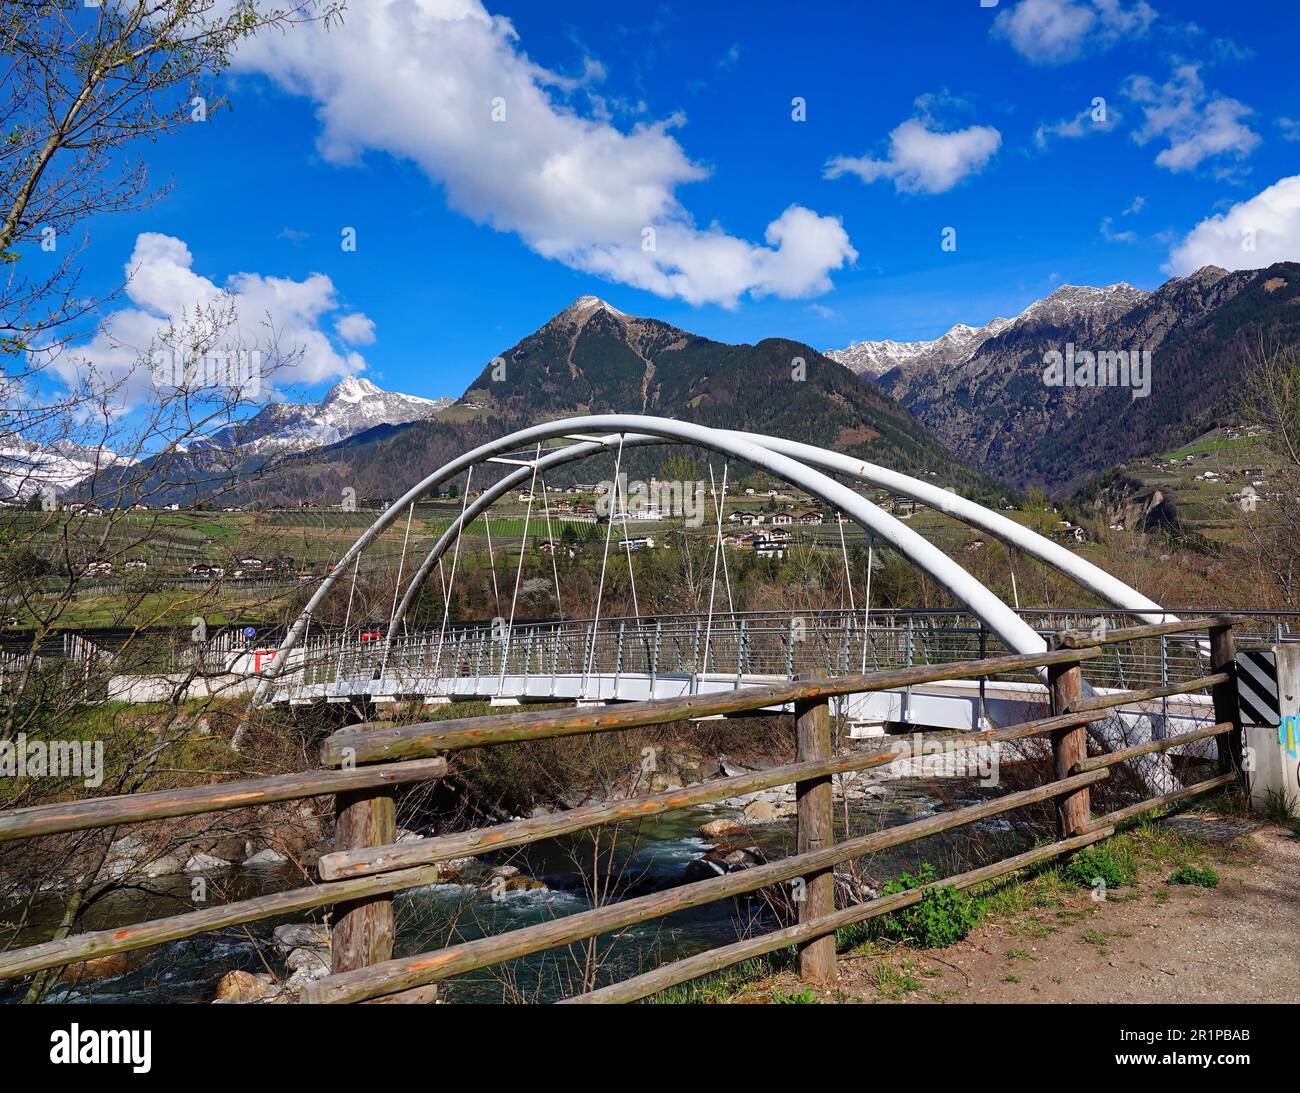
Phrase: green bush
pixel 1201 878
pixel 1099 861
pixel 941 917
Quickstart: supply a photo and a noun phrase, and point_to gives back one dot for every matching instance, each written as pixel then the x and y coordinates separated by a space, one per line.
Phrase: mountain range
pixel 981 390
pixel 351 406
pixel 969 409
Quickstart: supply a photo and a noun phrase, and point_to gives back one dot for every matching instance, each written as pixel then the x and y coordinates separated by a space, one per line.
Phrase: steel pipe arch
pixel 966 589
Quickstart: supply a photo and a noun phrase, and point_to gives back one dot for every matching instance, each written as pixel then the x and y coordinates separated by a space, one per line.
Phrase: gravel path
pixel 1149 942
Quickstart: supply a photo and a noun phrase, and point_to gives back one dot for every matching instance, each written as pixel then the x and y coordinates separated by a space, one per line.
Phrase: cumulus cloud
pixel 923 159
pixel 1054 32
pixel 355 328
pixel 273 315
pixel 448 86
pixel 1252 234
pixel 1197 124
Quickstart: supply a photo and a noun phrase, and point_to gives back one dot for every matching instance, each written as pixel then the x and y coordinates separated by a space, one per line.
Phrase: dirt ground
pixel 1147 942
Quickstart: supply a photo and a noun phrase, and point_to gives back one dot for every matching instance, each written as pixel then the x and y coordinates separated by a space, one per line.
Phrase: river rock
pixel 240 986
pixel 268 856
pixel 501 872
pixel 205 863
pixel 525 884
pixel 405 835
pixel 300 935
pixel 716 829
pixel 760 811
pixel 103 967
pixel 724 860
pixel 124 856
pixel 312 961
pixel 166 866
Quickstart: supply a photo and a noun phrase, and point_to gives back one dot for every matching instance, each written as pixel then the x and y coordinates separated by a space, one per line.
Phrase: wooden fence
pixel 364 765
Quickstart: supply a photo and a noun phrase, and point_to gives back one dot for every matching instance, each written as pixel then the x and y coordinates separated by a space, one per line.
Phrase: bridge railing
pixel 363 767
pixel 742 646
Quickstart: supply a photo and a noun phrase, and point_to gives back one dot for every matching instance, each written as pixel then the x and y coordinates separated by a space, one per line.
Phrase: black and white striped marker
pixel 1257 688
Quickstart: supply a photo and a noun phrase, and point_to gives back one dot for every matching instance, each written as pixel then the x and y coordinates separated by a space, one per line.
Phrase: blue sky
pixel 471 231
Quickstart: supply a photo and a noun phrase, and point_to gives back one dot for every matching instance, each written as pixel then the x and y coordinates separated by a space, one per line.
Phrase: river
pixel 652 857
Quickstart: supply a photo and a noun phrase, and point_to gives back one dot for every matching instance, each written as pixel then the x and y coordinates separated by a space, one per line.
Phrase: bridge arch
pixel 982 603
pixel 1064 561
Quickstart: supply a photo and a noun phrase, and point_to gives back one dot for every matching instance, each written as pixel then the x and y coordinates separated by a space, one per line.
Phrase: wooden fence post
pixel 1073 811
pixel 363 930
pixel 816 818
pixel 1223 658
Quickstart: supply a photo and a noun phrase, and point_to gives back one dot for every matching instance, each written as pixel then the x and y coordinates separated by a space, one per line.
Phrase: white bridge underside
pixel 949 705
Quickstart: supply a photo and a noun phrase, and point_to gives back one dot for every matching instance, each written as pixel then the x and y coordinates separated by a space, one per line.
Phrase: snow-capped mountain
pixel 873 359
pixel 28 468
pixel 351 406
pixel 1069 302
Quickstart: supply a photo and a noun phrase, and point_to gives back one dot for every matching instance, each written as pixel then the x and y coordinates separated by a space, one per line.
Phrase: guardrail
pixel 364 765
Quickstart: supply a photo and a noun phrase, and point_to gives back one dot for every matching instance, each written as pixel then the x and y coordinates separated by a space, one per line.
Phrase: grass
pixel 1199 878
pixel 1149 847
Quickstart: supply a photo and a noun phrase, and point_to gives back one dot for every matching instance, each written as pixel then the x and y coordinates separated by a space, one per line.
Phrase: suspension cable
pixel 523 547
pixel 604 560
pixel 347 618
pixel 550 535
pixel 717 551
pixel 451 584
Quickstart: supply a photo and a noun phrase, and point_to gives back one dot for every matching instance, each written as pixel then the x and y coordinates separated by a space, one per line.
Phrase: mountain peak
pixel 586 306
pixel 352 389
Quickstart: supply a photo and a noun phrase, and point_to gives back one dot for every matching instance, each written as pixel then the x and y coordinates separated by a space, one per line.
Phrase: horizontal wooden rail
pixel 404 973
pixel 79 947
pixel 712 960
pixel 1085 639
pixel 362 745
pixel 133 808
pixel 1186 793
pixel 350 863
pixel 1096 762
pixel 1146 694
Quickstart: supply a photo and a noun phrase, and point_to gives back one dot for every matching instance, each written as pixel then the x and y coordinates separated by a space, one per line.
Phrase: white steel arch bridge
pixel 635 658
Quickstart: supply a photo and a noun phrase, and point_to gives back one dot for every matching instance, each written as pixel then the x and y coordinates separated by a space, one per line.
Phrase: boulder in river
pixel 760 811
pixel 717 829
pixel 205 863
pixel 269 856
pixel 301 935
pixel 238 986
pixel 726 859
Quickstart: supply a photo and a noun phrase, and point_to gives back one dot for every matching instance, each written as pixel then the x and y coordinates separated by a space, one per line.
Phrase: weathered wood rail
pixel 365 765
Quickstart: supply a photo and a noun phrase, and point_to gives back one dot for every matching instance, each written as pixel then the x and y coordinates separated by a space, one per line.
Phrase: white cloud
pixel 355 328
pixel 1252 234
pixel 922 159
pixel 1053 32
pixel 419 79
pixel 1093 119
pixel 1198 124
pixel 1109 233
pixel 280 317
